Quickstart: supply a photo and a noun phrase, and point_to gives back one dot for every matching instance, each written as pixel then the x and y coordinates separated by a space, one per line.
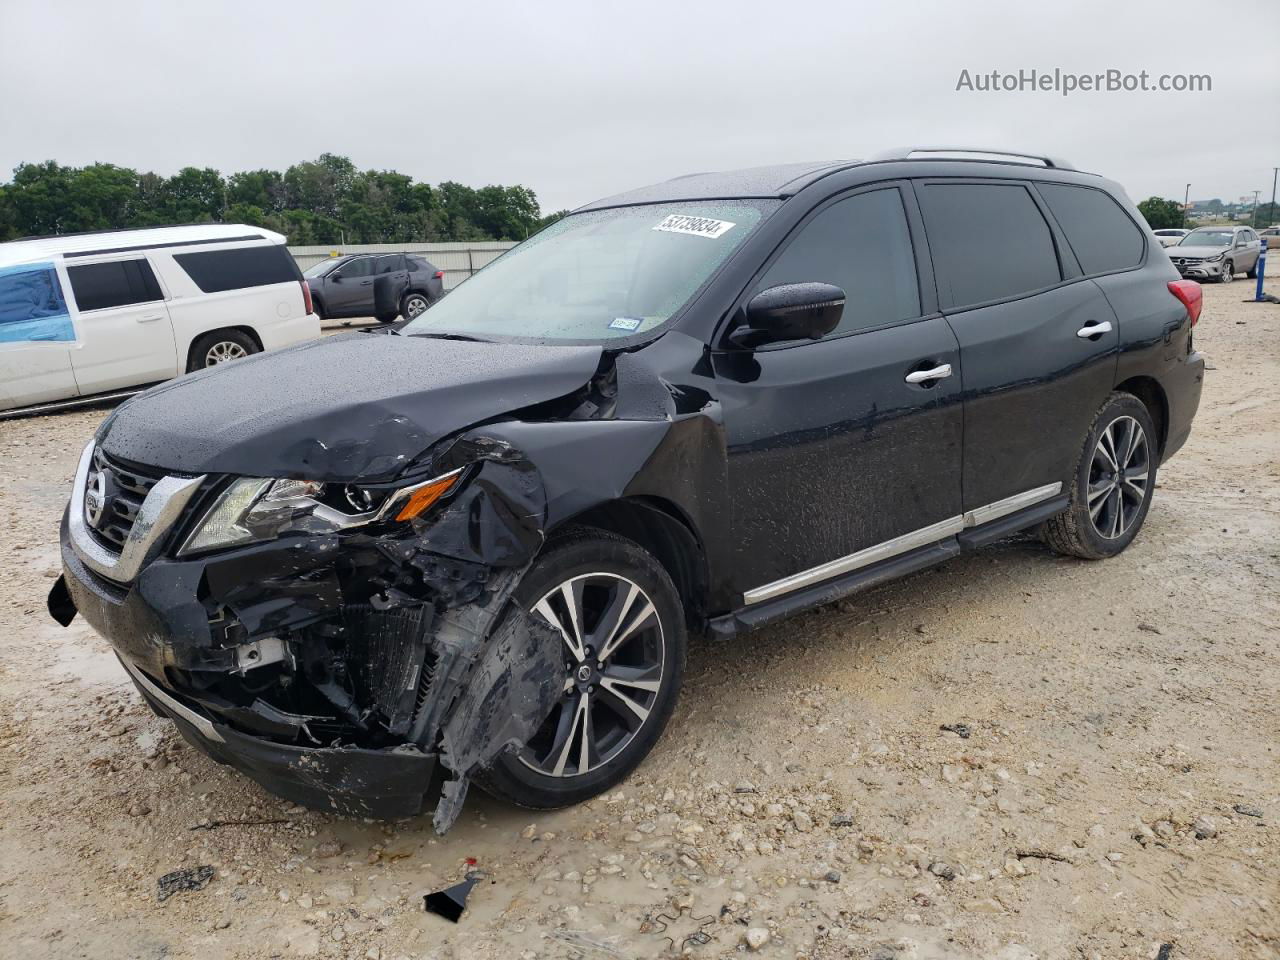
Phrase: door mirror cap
pixel 791 311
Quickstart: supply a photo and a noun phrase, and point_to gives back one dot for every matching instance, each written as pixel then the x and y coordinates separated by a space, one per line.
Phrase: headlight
pixel 256 509
pixel 1214 259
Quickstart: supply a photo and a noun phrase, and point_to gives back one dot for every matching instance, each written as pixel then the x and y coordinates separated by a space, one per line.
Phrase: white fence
pixel 457 260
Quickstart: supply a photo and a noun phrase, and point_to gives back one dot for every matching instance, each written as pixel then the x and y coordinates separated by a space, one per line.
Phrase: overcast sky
pixel 582 99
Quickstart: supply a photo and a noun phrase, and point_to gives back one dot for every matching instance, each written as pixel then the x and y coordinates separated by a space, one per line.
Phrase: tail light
pixel 438 275
pixel 306 297
pixel 1192 297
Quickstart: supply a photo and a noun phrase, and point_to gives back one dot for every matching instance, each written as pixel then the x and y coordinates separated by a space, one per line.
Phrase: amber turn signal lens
pixel 426 495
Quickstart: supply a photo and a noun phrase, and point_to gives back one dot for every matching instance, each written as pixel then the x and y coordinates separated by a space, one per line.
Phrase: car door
pixel 126 337
pixel 1038 342
pixel 1250 250
pixel 843 451
pixel 391 277
pixel 36 336
pixel 349 289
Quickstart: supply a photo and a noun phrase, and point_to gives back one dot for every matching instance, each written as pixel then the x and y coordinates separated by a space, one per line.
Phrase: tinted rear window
pixel 988 241
pixel 216 270
pixel 1099 231
pixel 100 285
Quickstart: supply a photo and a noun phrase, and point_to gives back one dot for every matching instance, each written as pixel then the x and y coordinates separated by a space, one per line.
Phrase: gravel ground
pixel 1118 789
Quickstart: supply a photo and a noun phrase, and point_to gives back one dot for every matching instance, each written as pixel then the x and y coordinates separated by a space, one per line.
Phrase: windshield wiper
pixel 450 336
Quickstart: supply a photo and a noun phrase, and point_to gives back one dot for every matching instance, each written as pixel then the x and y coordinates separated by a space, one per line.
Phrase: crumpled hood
pixel 1196 251
pixel 343 408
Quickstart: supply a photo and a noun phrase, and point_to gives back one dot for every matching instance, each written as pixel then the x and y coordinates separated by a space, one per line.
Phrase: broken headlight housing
pixel 257 509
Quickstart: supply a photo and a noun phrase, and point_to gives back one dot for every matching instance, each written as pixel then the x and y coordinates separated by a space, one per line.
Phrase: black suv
pixel 472 547
pixel 382 285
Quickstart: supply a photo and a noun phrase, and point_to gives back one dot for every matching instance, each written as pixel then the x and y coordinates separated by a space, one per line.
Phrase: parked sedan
pixel 382 285
pixel 1217 253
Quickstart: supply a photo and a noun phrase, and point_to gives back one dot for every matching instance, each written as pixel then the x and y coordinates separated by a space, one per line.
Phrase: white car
pixel 1169 238
pixel 88 315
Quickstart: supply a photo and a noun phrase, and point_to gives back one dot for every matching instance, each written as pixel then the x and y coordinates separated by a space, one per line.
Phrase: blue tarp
pixel 32 306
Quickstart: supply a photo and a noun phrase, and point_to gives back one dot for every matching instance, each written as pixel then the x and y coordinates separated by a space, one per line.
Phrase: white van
pixel 103 313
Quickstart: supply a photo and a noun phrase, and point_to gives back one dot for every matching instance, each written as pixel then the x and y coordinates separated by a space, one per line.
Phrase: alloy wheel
pixel 224 351
pixel 1118 477
pixel 1228 272
pixel 614 655
pixel 414 306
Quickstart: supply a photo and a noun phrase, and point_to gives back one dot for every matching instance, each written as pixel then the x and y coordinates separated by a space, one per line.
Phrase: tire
pixel 1105 514
pixel 225 344
pixel 413 305
pixel 1228 272
pixel 600 571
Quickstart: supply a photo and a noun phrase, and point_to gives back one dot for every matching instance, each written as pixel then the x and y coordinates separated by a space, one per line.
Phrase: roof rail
pixel 905 153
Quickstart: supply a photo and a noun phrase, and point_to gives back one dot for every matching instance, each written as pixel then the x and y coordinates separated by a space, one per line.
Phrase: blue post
pixel 1262 269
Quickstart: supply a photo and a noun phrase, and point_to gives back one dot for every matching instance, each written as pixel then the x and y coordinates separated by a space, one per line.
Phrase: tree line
pixel 323 201
pixel 1164 214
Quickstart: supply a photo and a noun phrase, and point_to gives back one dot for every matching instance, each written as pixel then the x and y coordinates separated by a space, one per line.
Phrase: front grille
pixel 129 486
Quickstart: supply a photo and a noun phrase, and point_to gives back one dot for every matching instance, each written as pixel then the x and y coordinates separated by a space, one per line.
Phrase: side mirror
pixel 791 311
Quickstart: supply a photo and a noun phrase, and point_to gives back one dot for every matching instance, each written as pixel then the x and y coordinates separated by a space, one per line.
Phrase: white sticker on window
pixel 695 226
pixel 626 323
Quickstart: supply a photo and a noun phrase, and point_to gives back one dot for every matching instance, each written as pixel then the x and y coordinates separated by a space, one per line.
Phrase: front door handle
pixel 937 373
pixel 151 318
pixel 1094 329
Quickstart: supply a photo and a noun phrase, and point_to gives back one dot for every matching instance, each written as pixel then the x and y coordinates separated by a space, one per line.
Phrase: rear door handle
pixel 151 318
pixel 937 373
pixel 1093 329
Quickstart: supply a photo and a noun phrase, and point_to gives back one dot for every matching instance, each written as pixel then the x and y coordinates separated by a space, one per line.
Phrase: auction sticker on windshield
pixel 695 226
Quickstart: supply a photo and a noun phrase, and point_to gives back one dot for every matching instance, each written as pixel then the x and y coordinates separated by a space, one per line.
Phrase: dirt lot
pixel 1119 788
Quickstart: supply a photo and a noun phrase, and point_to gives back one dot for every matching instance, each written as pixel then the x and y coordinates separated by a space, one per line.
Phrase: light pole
pixel 1186 198
pixel 1274 171
pixel 1253 221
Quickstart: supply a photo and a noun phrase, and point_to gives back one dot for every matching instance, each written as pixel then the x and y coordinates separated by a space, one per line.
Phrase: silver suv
pixel 1217 253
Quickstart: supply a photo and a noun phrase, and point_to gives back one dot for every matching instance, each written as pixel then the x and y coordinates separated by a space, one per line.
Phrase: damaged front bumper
pixel 360 672
pixel 382 784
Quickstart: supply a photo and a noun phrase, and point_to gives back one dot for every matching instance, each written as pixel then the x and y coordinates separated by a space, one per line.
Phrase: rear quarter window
pixel 988 242
pixel 214 271
pixel 1101 234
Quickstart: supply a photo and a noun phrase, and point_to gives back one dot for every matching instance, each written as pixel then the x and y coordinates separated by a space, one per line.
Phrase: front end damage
pixel 364 671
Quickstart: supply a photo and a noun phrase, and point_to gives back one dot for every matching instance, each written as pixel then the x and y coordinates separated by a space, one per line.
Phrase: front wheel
pixel 1113 483
pixel 622 624
pixel 1228 272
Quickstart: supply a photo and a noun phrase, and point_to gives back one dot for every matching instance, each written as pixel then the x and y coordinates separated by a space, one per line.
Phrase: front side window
pixel 32 306
pixel 598 275
pixel 988 242
pixel 119 283
pixel 317 270
pixel 861 245
pixel 355 269
pixel 1099 231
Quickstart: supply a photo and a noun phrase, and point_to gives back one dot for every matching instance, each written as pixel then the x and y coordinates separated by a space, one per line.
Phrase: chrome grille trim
pixel 156 515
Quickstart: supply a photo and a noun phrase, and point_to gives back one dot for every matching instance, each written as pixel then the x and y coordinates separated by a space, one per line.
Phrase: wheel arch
pixel 661 528
pixel 1153 397
pixel 248 331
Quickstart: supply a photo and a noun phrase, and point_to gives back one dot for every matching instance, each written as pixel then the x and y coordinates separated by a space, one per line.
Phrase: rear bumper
pixel 1183 385
pixel 281 333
